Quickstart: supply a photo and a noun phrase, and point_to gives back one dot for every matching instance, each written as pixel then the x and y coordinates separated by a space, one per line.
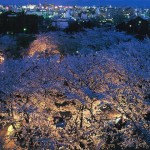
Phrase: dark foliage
pixel 74 27
pixel 11 23
pixel 138 26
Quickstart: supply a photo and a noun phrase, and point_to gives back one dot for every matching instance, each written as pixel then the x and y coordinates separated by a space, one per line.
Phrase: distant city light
pixel 24 29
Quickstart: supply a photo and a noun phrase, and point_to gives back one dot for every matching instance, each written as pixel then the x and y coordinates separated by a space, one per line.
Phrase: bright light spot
pixel 24 29
pixel 10 130
pixel 1 59
pixel 117 120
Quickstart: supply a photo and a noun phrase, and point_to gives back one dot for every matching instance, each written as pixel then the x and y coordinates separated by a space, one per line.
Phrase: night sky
pixel 134 3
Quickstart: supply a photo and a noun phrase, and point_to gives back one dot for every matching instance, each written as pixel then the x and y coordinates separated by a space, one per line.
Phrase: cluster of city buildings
pixel 76 12
pixel 61 14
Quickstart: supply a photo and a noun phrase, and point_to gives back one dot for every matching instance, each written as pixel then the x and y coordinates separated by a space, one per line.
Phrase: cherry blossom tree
pixel 99 96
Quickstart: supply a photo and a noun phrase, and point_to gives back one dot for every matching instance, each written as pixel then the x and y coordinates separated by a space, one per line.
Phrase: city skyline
pixel 133 3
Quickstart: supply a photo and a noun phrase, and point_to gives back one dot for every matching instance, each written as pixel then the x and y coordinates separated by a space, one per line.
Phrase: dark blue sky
pixel 134 3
